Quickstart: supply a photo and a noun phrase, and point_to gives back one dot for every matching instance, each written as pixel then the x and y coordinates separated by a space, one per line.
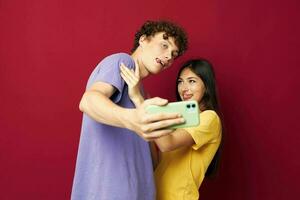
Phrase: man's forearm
pixel 102 109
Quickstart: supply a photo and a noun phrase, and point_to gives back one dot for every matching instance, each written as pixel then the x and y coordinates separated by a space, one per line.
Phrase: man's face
pixel 158 52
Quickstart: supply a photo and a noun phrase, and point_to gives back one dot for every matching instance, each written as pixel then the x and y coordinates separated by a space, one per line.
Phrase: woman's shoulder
pixel 209 117
pixel 209 114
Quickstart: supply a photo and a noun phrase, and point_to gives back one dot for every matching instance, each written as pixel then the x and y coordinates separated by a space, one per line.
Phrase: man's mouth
pixel 160 62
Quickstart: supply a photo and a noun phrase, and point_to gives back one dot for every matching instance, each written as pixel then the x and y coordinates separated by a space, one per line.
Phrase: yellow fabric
pixel 180 173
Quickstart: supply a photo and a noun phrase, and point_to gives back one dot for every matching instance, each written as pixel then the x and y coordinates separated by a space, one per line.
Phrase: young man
pixel 114 160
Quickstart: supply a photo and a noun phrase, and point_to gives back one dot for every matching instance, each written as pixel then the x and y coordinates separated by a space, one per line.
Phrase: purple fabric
pixel 112 163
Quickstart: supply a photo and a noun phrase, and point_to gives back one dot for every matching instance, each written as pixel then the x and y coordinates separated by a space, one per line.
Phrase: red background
pixel 48 49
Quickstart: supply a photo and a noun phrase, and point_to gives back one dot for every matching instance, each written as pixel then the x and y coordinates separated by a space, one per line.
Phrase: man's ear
pixel 142 40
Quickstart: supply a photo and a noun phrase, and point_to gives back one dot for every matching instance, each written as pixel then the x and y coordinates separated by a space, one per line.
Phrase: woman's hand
pixel 132 79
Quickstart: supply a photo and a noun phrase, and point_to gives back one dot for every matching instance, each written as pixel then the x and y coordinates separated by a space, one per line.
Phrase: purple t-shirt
pixel 112 163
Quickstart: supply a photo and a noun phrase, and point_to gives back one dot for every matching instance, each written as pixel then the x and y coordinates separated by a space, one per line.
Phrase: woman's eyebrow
pixel 192 77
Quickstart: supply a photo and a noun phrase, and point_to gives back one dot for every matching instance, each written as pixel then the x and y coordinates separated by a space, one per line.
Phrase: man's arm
pixel 95 103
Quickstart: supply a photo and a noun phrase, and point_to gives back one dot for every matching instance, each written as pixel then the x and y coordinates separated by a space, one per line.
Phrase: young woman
pixel 186 155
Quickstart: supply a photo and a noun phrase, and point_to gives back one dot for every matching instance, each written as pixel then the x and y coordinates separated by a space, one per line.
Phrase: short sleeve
pixel 208 131
pixel 108 71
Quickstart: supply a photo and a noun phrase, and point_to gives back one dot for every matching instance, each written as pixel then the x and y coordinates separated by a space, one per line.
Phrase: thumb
pixel 156 101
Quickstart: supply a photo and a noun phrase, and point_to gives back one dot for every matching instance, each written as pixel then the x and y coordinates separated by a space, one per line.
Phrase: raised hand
pixel 132 79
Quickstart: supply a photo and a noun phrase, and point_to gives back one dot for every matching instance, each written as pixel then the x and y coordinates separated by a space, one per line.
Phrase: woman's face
pixel 190 86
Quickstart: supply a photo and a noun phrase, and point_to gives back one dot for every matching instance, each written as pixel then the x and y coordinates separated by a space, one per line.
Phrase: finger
pixel 125 68
pixel 135 77
pixel 156 134
pixel 137 70
pixel 129 73
pixel 122 65
pixel 132 80
pixel 133 73
pixel 162 124
pixel 123 71
pixel 126 79
pixel 149 118
pixel 126 71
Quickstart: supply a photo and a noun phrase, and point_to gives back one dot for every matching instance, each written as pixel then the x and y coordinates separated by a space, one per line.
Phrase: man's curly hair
pixel 150 28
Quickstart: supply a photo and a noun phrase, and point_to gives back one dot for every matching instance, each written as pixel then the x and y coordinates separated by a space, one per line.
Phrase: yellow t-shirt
pixel 180 173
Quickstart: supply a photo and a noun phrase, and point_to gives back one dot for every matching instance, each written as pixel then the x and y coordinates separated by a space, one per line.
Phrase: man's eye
pixel 165 46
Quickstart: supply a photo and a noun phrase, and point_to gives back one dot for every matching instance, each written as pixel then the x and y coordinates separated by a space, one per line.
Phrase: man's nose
pixel 168 59
pixel 168 55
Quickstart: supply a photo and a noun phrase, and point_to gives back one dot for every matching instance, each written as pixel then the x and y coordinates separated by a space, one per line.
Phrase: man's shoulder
pixel 113 61
pixel 119 57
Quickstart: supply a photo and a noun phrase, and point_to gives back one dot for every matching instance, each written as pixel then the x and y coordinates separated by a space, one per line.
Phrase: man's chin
pixel 154 72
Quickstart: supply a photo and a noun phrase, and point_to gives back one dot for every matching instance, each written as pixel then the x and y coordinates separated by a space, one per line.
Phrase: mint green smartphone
pixel 188 109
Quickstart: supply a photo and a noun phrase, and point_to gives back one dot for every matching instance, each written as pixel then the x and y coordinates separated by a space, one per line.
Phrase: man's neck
pixel 136 57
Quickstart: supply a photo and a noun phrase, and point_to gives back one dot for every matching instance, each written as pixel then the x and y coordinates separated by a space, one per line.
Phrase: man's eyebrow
pixel 167 39
pixel 173 44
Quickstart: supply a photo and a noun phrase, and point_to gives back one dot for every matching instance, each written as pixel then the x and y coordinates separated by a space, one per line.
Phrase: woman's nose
pixel 185 87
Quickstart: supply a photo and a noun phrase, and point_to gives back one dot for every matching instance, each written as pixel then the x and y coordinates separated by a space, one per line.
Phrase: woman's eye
pixel 192 81
pixel 179 82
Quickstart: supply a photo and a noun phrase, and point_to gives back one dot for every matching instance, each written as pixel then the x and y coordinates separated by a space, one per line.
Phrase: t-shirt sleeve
pixel 208 131
pixel 109 72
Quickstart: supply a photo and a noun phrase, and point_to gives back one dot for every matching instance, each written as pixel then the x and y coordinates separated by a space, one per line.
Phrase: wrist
pixel 126 117
pixel 137 100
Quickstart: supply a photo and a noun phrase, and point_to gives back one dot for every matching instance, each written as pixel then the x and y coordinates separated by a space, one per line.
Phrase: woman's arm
pixel 178 138
pixel 208 131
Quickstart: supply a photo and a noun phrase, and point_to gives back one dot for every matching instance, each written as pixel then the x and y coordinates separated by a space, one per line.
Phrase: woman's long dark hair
pixel 204 70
